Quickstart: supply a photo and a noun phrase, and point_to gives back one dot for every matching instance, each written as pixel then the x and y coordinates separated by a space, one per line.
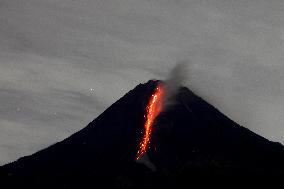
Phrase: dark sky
pixel 62 62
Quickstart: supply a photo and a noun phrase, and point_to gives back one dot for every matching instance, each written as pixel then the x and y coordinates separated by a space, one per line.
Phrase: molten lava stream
pixel 153 109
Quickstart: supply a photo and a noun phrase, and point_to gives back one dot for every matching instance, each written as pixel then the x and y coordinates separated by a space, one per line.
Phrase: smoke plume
pixel 174 81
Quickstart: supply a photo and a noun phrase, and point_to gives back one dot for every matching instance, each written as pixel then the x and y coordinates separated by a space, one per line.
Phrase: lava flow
pixel 153 109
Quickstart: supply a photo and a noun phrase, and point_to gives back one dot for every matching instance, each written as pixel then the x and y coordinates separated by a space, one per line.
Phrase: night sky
pixel 63 62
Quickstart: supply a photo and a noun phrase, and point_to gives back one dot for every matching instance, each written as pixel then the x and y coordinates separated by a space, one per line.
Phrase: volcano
pixel 190 140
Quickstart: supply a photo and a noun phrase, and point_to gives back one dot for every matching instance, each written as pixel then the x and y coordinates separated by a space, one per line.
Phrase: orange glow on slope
pixel 153 109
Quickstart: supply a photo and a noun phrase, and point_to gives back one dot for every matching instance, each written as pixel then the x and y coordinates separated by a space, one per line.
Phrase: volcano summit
pixel 190 140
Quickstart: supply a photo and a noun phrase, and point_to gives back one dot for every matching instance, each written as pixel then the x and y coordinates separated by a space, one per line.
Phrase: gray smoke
pixel 177 76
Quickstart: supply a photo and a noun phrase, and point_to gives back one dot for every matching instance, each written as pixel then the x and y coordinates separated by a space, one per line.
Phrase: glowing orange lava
pixel 153 109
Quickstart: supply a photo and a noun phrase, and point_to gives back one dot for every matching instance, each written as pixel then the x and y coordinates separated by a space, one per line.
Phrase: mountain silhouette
pixel 191 140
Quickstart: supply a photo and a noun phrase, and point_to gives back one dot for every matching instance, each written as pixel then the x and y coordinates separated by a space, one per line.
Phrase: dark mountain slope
pixel 191 140
pixel 98 154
